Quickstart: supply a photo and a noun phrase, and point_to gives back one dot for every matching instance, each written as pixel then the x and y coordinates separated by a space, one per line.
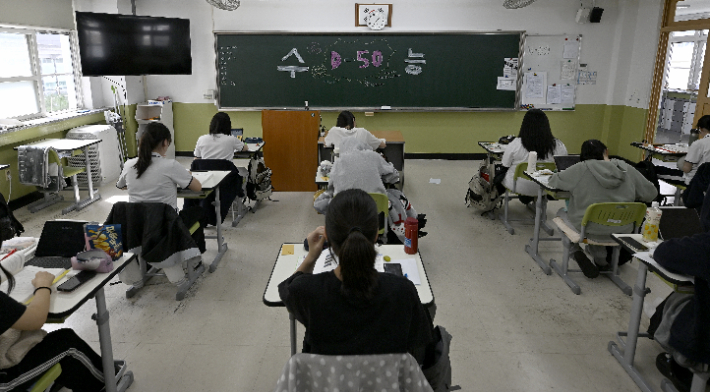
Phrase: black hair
pixel 351 224
pixel 153 137
pixel 592 149
pixel 221 123
pixel 704 122
pixel 345 120
pixel 536 135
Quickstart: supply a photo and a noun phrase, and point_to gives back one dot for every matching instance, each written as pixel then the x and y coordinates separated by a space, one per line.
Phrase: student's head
pixel 593 149
pixel 221 124
pixel 351 225
pixel 535 133
pixel 704 124
pixel 345 120
pixel 155 138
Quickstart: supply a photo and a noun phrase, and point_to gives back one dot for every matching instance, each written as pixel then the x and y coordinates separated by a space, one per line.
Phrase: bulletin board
pixel 549 71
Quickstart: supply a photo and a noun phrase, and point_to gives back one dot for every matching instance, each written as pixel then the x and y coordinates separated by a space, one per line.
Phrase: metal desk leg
pixel 292 321
pixel 125 378
pixel 532 247
pixel 625 354
pixel 221 246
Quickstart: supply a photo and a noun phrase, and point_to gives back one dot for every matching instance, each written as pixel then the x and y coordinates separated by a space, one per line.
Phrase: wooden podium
pixel 292 152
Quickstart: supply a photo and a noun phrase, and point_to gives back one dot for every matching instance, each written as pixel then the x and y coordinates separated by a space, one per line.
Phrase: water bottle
pixel 532 162
pixel 650 225
pixel 411 235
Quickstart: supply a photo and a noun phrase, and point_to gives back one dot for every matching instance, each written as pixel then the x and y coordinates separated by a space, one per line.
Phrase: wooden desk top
pixel 391 136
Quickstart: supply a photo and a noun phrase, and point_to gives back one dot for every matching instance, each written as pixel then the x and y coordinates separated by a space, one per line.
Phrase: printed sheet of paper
pixel 567 95
pixel 570 50
pixel 569 69
pixel 23 282
pixel 506 84
pixel 510 69
pixel 553 94
pixel 409 268
pixel 534 85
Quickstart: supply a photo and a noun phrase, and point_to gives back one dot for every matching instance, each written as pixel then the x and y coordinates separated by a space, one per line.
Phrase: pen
pixel 60 276
pixel 9 254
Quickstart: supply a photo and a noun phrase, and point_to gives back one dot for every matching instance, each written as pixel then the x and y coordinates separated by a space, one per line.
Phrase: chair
pixel 506 196
pixel 605 214
pixel 352 373
pixel 38 175
pixel 47 380
pixel 383 213
pixel 156 233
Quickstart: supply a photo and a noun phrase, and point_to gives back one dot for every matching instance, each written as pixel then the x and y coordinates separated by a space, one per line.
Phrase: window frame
pixel 36 67
pixel 696 62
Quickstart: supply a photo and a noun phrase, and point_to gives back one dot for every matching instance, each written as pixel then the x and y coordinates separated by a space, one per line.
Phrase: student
pixel 354 310
pixel 598 179
pixel 219 144
pixel 535 135
pixel 698 152
pixel 26 353
pixel 152 178
pixel 345 127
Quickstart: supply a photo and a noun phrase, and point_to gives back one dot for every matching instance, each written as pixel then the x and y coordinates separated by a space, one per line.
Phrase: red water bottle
pixel 411 235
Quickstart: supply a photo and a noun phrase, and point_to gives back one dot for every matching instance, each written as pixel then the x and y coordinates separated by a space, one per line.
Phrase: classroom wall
pixel 40 13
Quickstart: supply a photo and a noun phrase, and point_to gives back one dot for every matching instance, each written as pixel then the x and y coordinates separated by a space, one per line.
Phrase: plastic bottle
pixel 532 161
pixel 650 225
pixel 411 235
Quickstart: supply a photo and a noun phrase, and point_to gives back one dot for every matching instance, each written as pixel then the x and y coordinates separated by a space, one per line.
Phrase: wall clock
pixel 373 15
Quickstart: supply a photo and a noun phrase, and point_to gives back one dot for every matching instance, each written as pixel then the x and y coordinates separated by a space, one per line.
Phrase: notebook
pixel 202 177
pixel 564 161
pixel 679 222
pixel 59 242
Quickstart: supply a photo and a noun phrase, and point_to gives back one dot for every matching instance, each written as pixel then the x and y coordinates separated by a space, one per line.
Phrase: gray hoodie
pixel 595 181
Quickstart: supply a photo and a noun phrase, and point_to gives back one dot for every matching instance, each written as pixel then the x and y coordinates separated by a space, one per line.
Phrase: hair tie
pixel 355 228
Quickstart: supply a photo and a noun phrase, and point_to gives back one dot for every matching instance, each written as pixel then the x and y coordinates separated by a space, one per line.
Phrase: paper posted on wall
pixel 510 69
pixel 567 94
pixel 506 84
pixel 569 68
pixel 534 85
pixel 553 94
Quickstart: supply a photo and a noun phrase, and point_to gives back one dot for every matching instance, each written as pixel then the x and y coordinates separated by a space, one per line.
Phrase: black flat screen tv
pixel 112 44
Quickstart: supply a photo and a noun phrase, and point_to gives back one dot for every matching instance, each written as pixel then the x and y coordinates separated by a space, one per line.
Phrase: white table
pixel 286 265
pixel 625 350
pixel 61 305
pixel 68 145
pixel 212 184
pixel 252 148
pixel 665 152
pixel 493 149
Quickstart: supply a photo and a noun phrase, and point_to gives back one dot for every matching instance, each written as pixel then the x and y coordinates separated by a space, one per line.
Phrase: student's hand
pixel 315 239
pixel 43 279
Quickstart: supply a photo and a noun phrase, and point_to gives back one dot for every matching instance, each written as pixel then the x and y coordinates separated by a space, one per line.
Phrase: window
pixel 686 53
pixel 37 73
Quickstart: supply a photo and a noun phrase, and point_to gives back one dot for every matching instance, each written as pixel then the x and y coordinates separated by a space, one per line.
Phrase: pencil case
pixel 92 260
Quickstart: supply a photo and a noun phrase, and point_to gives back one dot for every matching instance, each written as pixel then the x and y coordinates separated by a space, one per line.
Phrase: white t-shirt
pixel 217 146
pixel 698 153
pixel 336 134
pixel 159 181
pixel 515 154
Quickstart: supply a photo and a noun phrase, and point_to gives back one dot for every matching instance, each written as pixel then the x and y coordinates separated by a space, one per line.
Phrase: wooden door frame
pixel 669 25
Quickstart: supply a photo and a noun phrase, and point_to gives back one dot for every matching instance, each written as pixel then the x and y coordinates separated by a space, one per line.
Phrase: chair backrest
pixel 614 214
pixel 353 373
pixel 382 209
pixel 524 166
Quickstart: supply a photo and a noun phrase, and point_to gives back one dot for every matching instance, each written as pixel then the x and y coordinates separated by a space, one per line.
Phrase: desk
pixel 541 211
pixel 4 166
pixel 625 350
pixel 212 184
pixel 61 305
pixel 252 149
pixel 64 146
pixel 666 152
pixel 286 265
pixel 394 150
pixel 494 150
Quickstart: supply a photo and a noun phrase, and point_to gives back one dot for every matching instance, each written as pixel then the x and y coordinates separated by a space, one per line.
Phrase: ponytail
pixel 352 226
pixel 10 279
pixel 153 137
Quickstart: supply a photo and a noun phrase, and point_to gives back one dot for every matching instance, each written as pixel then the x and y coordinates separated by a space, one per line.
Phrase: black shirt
pixel 394 321
pixel 10 312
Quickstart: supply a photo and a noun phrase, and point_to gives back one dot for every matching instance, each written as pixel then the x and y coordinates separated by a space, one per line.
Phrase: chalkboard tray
pixel 364 71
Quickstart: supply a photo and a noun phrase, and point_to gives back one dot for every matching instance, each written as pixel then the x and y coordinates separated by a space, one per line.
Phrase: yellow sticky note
pixel 287 250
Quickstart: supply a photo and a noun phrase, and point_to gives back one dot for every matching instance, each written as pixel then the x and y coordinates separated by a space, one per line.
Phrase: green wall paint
pixel 446 132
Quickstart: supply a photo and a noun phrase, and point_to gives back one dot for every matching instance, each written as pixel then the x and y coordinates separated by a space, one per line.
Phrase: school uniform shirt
pixel 516 154
pixel 11 312
pixel 217 146
pixel 337 134
pixel 698 153
pixel 361 168
pixel 159 182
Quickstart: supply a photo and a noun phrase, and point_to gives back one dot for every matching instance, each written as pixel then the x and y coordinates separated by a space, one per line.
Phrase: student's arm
pixel 182 177
pixel 383 143
pixel 687 167
pixel 194 185
pixel 567 180
pixel 245 148
pixel 645 190
pixel 121 183
pixel 693 157
pixel 687 255
pixel 36 313
pixel 316 239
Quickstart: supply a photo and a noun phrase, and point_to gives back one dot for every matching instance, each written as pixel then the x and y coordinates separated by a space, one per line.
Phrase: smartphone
pixel 76 281
pixel 637 246
pixel 394 268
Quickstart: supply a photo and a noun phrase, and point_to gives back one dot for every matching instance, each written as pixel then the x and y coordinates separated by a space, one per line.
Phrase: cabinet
pixel 162 113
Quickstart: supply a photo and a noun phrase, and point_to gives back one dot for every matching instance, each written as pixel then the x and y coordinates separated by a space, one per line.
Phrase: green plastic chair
pixel 45 382
pixel 605 214
pixel 382 212
pixel 51 195
pixel 507 195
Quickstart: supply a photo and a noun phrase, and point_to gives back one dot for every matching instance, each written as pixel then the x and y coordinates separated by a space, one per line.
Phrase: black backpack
pixel 9 225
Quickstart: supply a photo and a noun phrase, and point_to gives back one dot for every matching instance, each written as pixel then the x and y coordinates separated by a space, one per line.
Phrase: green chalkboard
pixel 347 70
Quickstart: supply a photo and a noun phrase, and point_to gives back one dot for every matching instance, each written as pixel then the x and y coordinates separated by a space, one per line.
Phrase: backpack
pixel 259 181
pixel 482 194
pixel 9 225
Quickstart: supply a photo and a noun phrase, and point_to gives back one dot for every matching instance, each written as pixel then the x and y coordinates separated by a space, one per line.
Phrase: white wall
pixel 40 13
